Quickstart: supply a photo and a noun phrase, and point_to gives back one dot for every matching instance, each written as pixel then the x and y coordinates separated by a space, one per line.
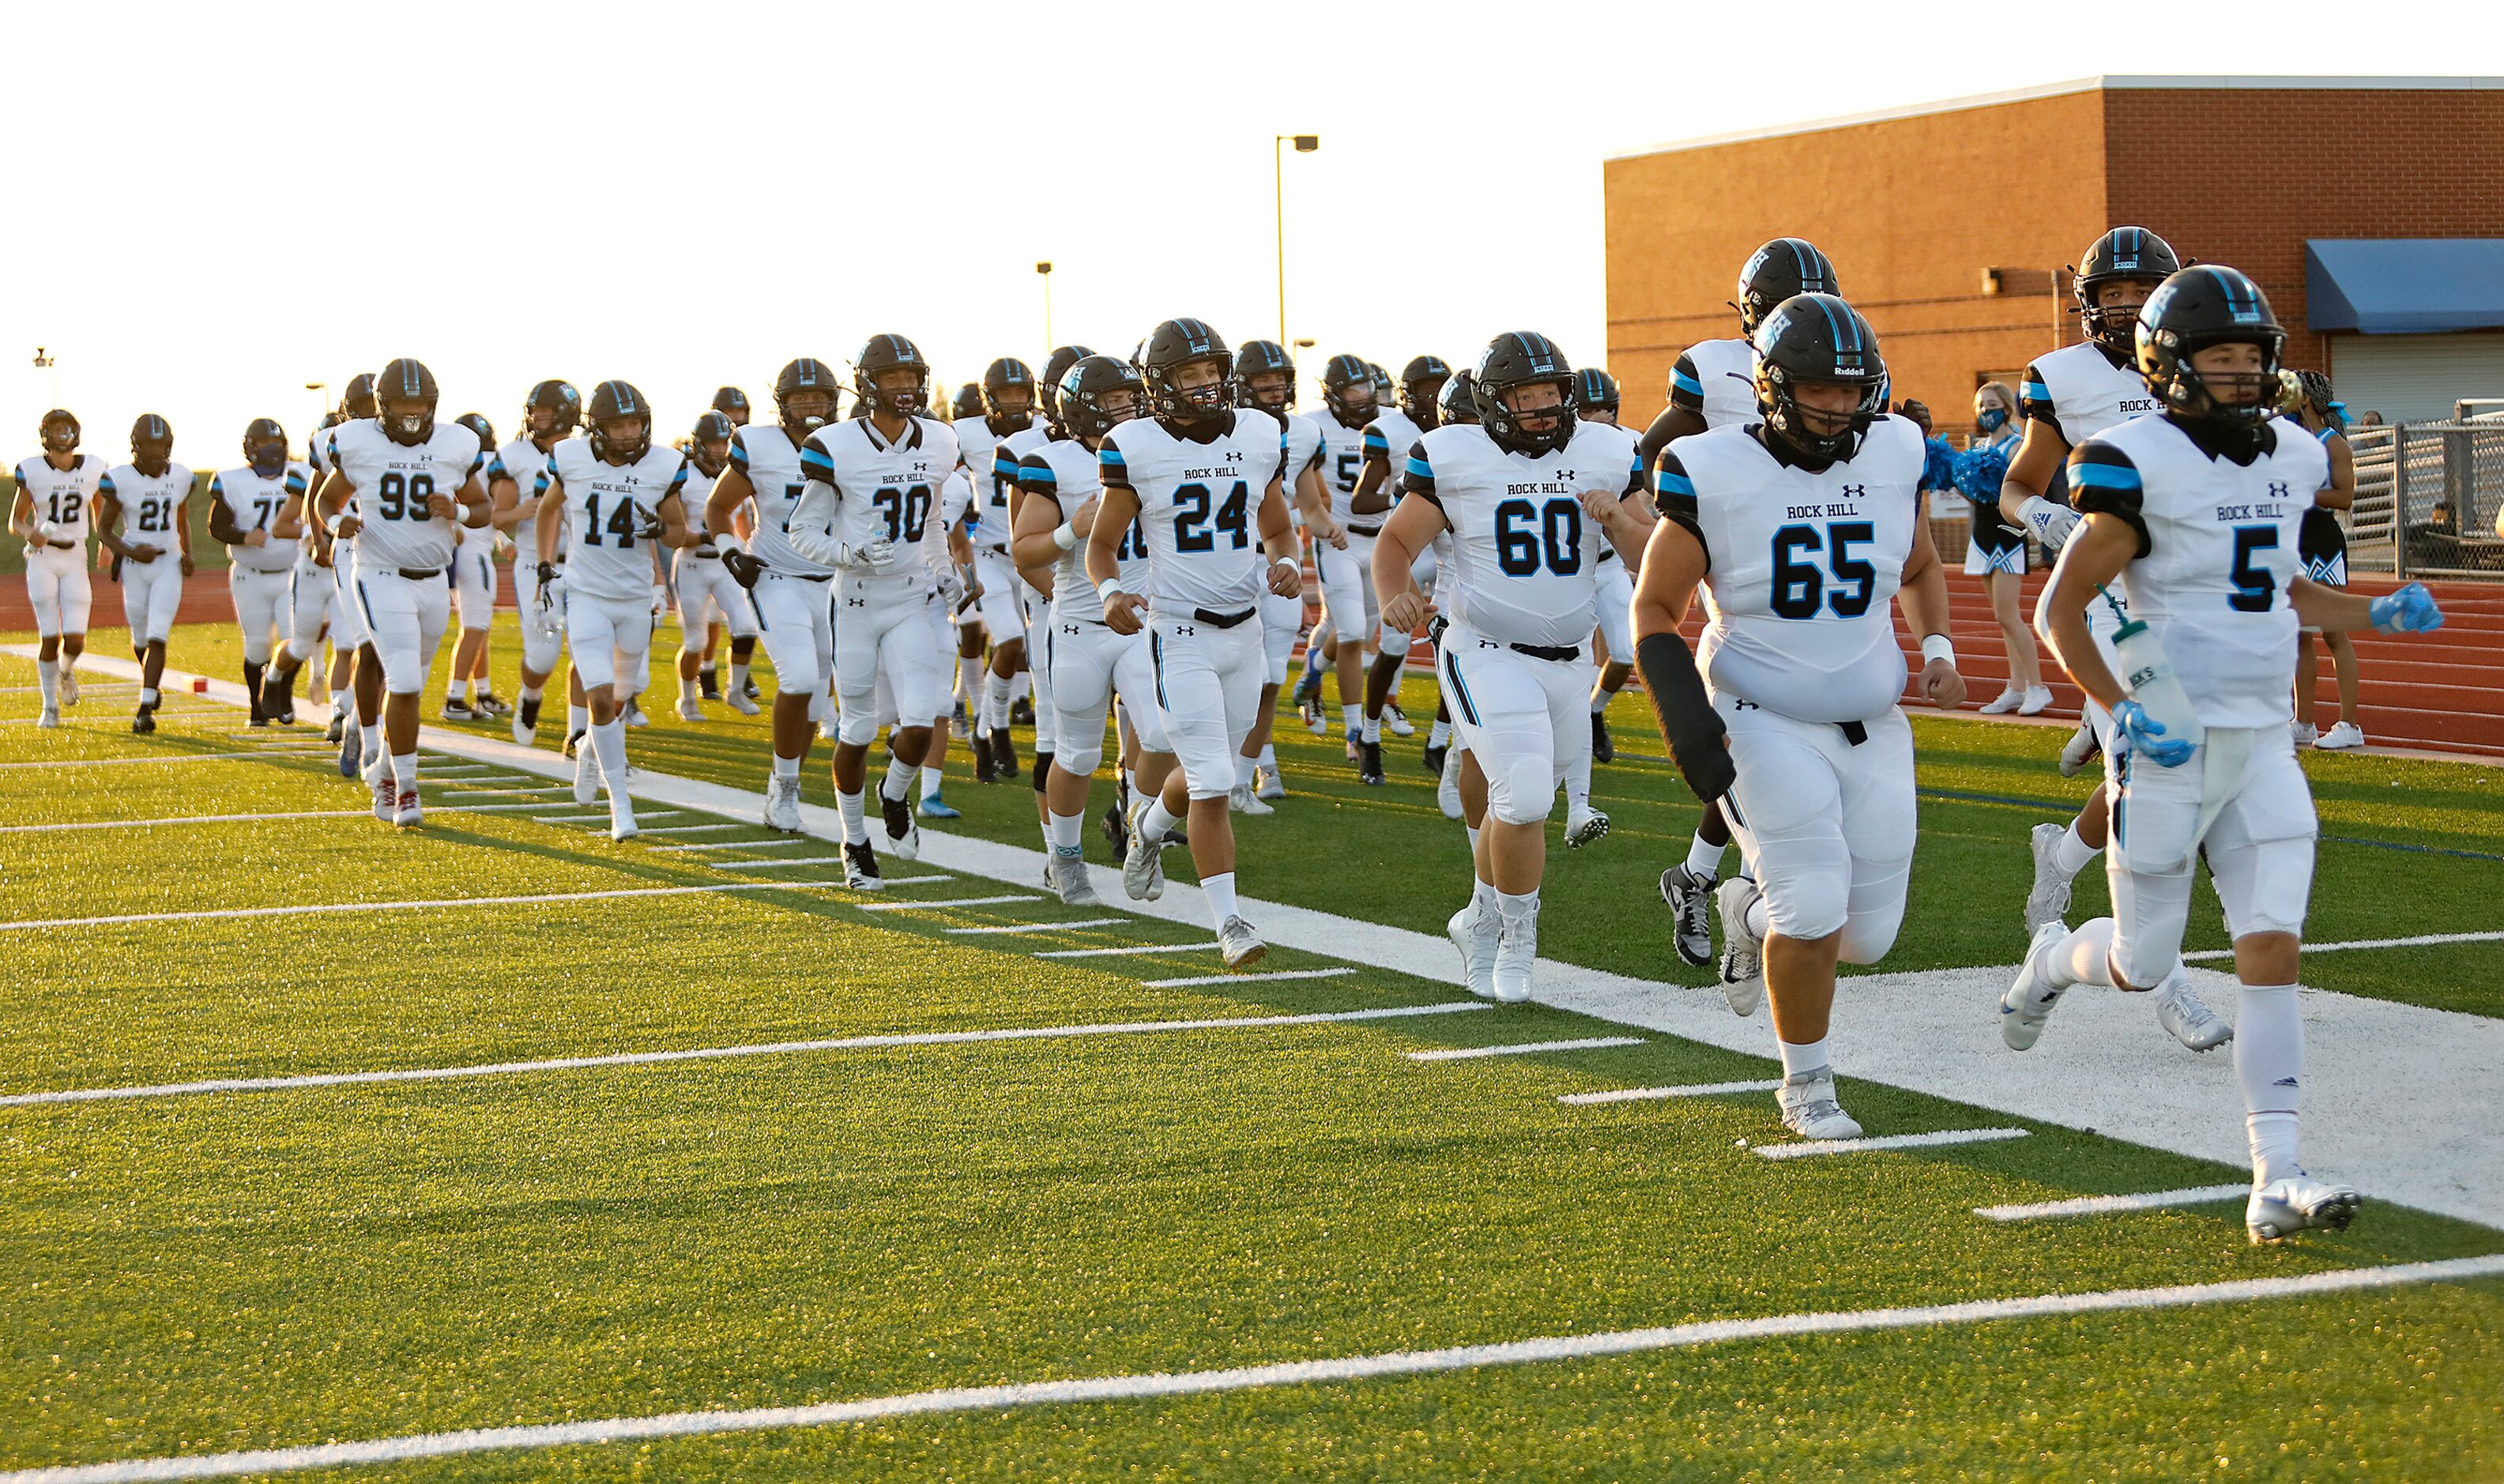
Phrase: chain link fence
pixel 2429 499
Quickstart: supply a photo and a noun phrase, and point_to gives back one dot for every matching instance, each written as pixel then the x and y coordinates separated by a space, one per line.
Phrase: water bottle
pixel 2150 678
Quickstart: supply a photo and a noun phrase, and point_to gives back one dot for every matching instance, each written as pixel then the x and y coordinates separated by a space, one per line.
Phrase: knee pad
pixel 1393 642
pixel 256 648
pixel 742 646
pixel 2264 886
pixel 1807 886
pixel 1079 760
pixel 1875 911
pixel 1522 791
pixel 857 726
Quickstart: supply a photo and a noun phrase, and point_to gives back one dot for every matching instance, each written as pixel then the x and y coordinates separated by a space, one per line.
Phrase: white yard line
pixel 456 792
pixel 1244 979
pixel 1525 1049
pixel 2100 1205
pixel 1201 1382
pixel 1814 1147
pixel 722 1053
pixel 677 829
pixel 940 903
pixel 357 907
pixel 1037 927
pixel 310 813
pixel 1647 1094
pixel 1130 949
pixel 2425 940
pixel 785 844
pixel 262 753
pixel 770 865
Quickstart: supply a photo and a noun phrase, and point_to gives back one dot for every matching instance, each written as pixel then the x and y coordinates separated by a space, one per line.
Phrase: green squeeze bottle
pixel 2148 676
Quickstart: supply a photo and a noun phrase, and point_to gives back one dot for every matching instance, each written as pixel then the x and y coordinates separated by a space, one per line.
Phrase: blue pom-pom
pixel 1979 471
pixel 1938 464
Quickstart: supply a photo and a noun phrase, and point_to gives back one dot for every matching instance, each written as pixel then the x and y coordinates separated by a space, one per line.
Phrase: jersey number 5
pixel 1800 588
pixel 1192 518
pixel 2255 588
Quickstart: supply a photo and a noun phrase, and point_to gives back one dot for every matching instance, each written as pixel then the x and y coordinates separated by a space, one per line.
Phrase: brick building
pixel 1951 224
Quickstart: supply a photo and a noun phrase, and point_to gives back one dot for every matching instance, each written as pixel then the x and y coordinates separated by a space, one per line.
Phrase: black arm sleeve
pixel 1687 721
pixel 222 525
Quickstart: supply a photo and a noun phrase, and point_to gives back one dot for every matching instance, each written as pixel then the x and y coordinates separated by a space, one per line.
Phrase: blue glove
pixel 2409 611
pixel 2145 733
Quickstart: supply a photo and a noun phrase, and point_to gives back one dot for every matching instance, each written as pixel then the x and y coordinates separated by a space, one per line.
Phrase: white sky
pixel 219 203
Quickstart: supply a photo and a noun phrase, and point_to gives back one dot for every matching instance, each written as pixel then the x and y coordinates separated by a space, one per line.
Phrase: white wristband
pixel 1936 646
pixel 1063 536
pixel 331 523
pixel 1106 589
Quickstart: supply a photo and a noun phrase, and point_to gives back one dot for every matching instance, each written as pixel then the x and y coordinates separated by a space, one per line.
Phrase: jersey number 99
pixel 402 499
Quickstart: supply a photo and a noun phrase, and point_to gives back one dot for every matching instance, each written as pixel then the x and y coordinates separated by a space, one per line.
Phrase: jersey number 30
pixel 907 511
pixel 1800 587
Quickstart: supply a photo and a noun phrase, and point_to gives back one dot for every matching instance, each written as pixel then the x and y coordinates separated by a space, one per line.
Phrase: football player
pixel 2069 396
pixel 1202 479
pixel 1529 496
pixel 1008 454
pixel 1389 436
pixel 258 511
pixel 1596 400
pixel 1007 407
pixel 54 502
pixel 2324 549
pixel 707 592
pixel 1265 378
pixel 606 498
pixel 356 690
pixel 732 404
pixel 410 478
pixel 154 493
pixel 550 415
pixel 1714 384
pixel 786 590
pixel 1342 550
pixel 2198 511
pixel 1801 530
pixel 864 509
pixel 1089 661
pixel 469 694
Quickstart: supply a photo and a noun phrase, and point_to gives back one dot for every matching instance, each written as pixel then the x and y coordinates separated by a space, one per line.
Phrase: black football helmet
pixel 357 399
pixel 1514 359
pixel 1168 348
pixel 968 401
pixel 1055 367
pixel 151 444
pixel 1818 337
pixel 1596 391
pixel 732 404
pixel 1459 402
pixel 563 405
pixel 892 353
pixel 714 427
pixel 1781 268
pixel 1086 393
pixel 2197 308
pixel 1421 385
pixel 810 383
pixel 613 402
pixel 1348 390
pixel 1008 391
pixel 1386 392
pixel 1264 358
pixel 2124 255
pixel 60 431
pixel 404 392
pixel 476 422
pixel 264 447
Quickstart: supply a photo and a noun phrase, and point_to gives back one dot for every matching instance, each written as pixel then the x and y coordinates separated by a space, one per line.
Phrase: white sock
pixel 2084 957
pixel 786 767
pixel 1760 918
pixel 1810 1057
pixel 2268 1061
pixel 532 692
pixel 405 772
pixel 855 821
pixel 899 779
pixel 1371 728
pixel 1578 781
pixel 1600 699
pixel 739 677
pixel 1244 767
pixel 49 672
pixel 608 745
pixel 995 701
pixel 150 696
pixel 1440 734
pixel 1703 857
pixel 369 739
pixel 967 674
pixel 2071 855
pixel 1483 894
pixel 1473 839
pixel 1157 822
pixel 931 777
pixel 1069 831
pixel 460 690
pixel 1352 717
pixel 687 690
pixel 577 719
pixel 1221 896
pixel 1021 685
pixel 1516 907
pixel 1269 757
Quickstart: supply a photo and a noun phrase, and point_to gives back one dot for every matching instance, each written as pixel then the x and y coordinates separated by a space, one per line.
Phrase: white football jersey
pixel 765 453
pixel 1526 560
pixel 694 494
pixel 62 496
pixel 1717 380
pixel 1803 566
pixel 2217 550
pixel 393 482
pixel 522 461
pixel 2082 392
pixel 1199 507
pixel 151 503
pixel 978 444
pixel 1633 444
pixel 1008 456
pixel 1303 448
pixel 254 503
pixel 863 488
pixel 1389 437
pixel 956 502
pixel 1343 463
pixel 1066 472
pixel 606 554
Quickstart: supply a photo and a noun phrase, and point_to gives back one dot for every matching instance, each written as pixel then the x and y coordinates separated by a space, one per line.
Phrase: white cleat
pixel 387 799
pixel 2048 901
pixel 2028 1003
pixel 1243 801
pixel 1810 1110
pixel 2004 702
pixel 1448 792
pixel 689 709
pixel 1690 909
pixel 1582 827
pixel 2187 1018
pixel 1475 931
pixel 1143 871
pixel 907 845
pixel 375 769
pixel 783 805
pixel 523 735
pixel 621 820
pixel 2079 749
pixel 69 685
pixel 1070 878
pixel 406 810
pixel 2306 735
pixel 1517 948
pixel 586 775
pixel 2282 1208
pixel 1743 952
pixel 737 700
pixel 1238 945
pixel 2037 700
pixel 1267 785
pixel 2341 738
pixel 50 718
pixel 633 714
pixel 1396 721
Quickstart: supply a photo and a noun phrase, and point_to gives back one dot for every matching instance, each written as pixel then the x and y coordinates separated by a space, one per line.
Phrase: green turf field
pixel 194 1274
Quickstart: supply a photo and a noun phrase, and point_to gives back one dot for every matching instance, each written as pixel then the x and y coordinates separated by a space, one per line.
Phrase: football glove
pixel 876 551
pixel 2145 733
pixel 2409 610
pixel 2048 521
pixel 548 575
pixel 742 566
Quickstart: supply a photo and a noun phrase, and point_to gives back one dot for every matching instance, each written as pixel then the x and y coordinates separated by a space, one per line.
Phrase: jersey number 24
pixel 1192 518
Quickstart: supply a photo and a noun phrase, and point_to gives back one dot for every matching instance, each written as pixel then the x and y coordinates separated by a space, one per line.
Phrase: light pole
pixel 321 391
pixel 1044 270
pixel 1305 144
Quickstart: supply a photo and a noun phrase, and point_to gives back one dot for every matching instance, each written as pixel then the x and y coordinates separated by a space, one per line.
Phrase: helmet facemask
pixel 61 432
pixel 1829 434
pixel 1512 427
pixel 1207 396
pixel 407 420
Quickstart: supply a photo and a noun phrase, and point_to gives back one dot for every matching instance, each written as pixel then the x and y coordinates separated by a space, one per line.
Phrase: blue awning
pixel 2404 286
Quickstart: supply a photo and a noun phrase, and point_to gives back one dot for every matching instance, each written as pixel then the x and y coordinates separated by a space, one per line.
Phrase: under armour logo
pixel 2277 488
pixel 2285 1082
pixel 856 603
pixel 1181 630
pixel 1235 456
pixel 1741 704
pixel 1564 473
pixel 1854 491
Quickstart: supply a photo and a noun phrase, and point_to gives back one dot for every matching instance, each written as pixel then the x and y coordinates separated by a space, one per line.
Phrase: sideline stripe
pixel 1691 1090
pixel 1243 979
pixel 1129 948
pixel 1815 1147
pixel 928 906
pixel 675 829
pixel 1528 1047
pixel 720 1052
pixel 1198 1383
pixel 331 906
pixel 2099 1205
pixel 2422 941
pixel 771 865
pixel 1038 927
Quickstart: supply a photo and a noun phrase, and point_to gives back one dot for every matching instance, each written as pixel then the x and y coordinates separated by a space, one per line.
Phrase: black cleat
pixel 1432 759
pixel 751 690
pixel 1004 752
pixel 709 683
pixel 145 722
pixel 1117 830
pixel 339 723
pixel 1604 748
pixel 898 812
pixel 574 740
pixel 860 867
pixel 1021 713
pixel 1368 763
pixel 985 769
pixel 491 705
